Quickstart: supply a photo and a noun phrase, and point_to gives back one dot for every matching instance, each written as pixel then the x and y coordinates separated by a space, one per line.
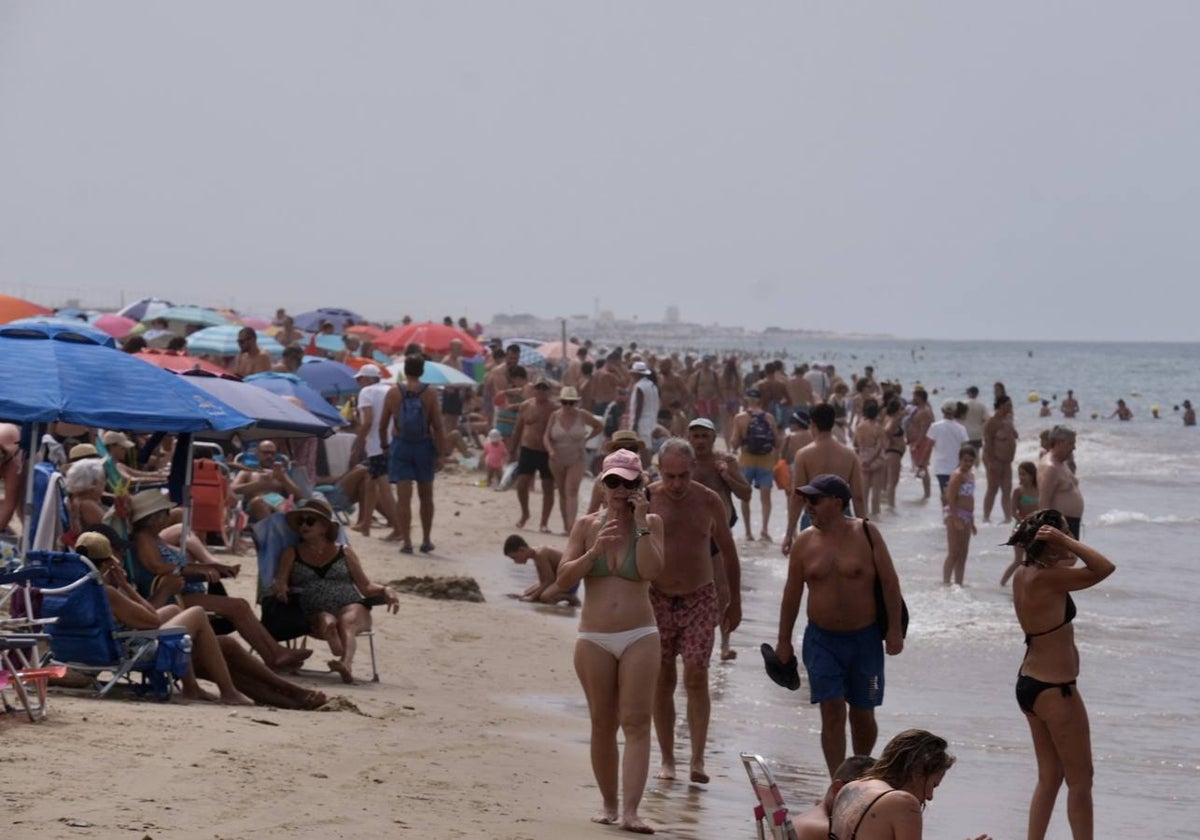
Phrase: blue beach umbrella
pixel 311 321
pixel 274 416
pixel 290 385
pixel 327 377
pixel 56 324
pixel 222 341
pixel 435 373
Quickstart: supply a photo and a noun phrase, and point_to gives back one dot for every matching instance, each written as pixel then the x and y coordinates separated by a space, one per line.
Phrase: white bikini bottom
pixel 617 643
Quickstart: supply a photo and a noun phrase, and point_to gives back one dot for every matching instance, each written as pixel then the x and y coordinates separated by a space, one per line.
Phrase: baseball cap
pixel 368 370
pixel 702 423
pixel 93 546
pixel 624 463
pixel 949 406
pixel 827 485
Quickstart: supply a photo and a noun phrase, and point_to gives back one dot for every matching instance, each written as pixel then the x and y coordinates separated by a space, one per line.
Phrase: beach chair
pixel 286 622
pixel 84 636
pixel 18 648
pixel 769 811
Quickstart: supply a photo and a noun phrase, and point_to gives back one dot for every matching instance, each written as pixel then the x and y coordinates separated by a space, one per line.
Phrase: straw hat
pixel 146 502
pixel 568 394
pixel 81 452
pixel 318 508
pixel 622 440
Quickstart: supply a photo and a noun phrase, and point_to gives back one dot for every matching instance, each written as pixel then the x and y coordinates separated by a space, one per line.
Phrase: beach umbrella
pixel 199 315
pixel 530 357
pixel 554 349
pixel 327 377
pixel 258 322
pixel 12 308
pixel 89 315
pixel 311 321
pixel 67 325
pixel 433 337
pixel 290 385
pixel 118 326
pixel 436 373
pixel 144 309
pixel 222 341
pixel 329 343
pixel 367 332
pixel 274 416
pixel 180 362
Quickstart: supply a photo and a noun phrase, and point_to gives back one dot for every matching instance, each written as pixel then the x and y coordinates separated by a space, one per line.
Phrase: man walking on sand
pixel 839 559
pixel 412 420
pixel 825 455
pixel 696 591
pixel 376 490
pixel 529 448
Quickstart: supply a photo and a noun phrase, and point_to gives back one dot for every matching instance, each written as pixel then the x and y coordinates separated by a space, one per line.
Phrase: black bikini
pixel 1028 688
pixel 857 825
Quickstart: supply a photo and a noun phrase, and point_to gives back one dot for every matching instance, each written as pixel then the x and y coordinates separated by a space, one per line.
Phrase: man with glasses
pixel 265 488
pixel 696 591
pixel 839 559
pixel 250 359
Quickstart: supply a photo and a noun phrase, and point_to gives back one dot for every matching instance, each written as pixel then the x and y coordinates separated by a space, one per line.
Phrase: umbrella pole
pixel 35 442
pixel 563 360
pixel 187 498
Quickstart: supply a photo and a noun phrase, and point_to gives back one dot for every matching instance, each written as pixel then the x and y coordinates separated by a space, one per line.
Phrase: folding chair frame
pixel 770 805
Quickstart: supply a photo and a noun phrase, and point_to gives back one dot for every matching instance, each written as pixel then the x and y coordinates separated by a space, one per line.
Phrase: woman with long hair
pixel 618 551
pixel 1046 689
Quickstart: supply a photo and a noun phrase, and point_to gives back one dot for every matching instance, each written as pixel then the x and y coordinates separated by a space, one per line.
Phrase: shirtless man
pixel 671 386
pixel 1058 487
pixel 799 389
pixel 529 450
pixel 499 377
pixel 719 472
pixel 265 488
pixel 999 449
pixel 813 824
pixel 250 359
pixel 454 358
pixel 1121 412
pixel 1070 406
pixel 290 360
pixel 774 392
pixel 825 455
pixel 977 415
pixel 920 447
pixel 704 386
pixel 839 559
pixel 605 383
pixel 755 459
pixel 696 591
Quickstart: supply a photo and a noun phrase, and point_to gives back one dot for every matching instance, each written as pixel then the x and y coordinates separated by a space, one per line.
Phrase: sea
pixel 1136 631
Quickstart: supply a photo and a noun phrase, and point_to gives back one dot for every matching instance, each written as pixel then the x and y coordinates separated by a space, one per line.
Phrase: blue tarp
pixel 46 377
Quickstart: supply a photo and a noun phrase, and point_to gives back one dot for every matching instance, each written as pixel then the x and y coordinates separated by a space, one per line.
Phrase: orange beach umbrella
pixel 12 309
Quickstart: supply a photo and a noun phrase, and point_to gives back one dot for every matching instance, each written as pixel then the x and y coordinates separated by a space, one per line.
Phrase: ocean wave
pixel 1134 517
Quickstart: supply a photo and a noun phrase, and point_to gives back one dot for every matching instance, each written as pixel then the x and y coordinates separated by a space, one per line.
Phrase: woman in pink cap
pixel 618 550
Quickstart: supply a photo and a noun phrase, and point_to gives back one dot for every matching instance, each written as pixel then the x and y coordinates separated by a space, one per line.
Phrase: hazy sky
pixel 998 170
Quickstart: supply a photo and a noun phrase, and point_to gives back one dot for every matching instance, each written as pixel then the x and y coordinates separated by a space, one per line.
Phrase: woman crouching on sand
pixel 889 799
pixel 618 550
pixel 1046 690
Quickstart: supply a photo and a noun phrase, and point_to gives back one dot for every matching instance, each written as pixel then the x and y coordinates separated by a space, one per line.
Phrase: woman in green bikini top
pixel 618 550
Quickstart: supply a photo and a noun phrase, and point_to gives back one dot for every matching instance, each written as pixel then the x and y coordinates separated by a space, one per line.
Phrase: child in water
pixel 1024 502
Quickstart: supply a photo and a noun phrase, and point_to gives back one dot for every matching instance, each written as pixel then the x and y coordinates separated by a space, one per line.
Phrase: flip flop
pixel 426 547
pixel 406 549
pixel 786 675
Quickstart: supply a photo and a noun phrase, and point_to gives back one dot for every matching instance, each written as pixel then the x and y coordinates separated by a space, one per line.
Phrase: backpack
pixel 412 424
pixel 760 437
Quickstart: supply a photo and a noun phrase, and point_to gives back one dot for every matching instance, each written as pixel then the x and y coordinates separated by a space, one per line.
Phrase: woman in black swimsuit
pixel 1046 689
pixel 892 793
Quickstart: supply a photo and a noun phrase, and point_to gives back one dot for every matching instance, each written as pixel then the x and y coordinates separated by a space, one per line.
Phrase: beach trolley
pixel 770 809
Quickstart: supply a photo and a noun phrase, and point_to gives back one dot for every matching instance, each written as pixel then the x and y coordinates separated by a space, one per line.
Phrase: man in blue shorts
pixel 839 559
pixel 412 420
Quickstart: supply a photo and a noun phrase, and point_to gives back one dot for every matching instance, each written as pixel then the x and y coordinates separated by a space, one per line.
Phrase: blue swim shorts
pixel 848 665
pixel 411 461
pixel 759 477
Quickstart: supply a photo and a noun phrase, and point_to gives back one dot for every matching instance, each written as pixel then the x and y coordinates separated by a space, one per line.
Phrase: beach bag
pixel 760 437
pixel 783 475
pixel 509 477
pixel 881 613
pixel 412 423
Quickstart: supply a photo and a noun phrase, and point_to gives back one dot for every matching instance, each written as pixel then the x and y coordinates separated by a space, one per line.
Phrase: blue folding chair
pixel 85 637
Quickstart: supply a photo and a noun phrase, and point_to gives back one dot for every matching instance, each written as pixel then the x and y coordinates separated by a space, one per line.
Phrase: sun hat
pixel 702 423
pixel 93 546
pixel 494 435
pixel 146 502
pixel 624 437
pixel 827 485
pixel 624 463
pixel 318 508
pixel 117 439
pixel 639 368
pixel 81 452
pixel 368 371
pixel 568 394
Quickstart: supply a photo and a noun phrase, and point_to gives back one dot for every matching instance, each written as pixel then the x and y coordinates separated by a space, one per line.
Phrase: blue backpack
pixel 412 424
pixel 760 437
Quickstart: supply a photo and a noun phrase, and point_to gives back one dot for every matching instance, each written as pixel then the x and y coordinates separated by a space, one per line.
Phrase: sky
pixel 1017 170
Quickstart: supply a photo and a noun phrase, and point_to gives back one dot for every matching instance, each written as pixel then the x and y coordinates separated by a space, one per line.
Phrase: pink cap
pixel 624 463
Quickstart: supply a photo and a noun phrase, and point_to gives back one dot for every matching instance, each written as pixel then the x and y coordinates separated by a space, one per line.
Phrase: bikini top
pixel 628 569
pixel 857 825
pixel 967 488
pixel 1068 617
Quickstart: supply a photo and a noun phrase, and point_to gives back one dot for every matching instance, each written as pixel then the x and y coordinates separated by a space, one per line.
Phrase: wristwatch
pixel 638 533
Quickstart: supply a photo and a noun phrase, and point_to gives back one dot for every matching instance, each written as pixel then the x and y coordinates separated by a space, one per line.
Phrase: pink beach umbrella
pixel 118 326
pixel 258 322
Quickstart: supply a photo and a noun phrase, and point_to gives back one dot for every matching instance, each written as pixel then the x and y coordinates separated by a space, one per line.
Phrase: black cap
pixel 827 485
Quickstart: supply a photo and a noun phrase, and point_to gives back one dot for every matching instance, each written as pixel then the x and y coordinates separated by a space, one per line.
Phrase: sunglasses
pixel 812 500
pixel 308 521
pixel 612 482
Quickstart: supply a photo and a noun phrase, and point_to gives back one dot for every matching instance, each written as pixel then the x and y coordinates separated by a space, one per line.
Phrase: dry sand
pixel 466 734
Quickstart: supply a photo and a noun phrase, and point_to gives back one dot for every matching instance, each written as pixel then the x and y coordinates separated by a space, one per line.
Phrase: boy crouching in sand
pixel 546 560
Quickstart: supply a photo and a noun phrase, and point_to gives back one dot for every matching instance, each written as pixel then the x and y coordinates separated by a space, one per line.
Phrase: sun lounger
pixel 84 636
pixel 770 809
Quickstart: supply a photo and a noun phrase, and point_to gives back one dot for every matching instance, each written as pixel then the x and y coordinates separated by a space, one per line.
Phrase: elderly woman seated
pixel 240 678
pixel 329 583
pixel 86 483
pixel 164 573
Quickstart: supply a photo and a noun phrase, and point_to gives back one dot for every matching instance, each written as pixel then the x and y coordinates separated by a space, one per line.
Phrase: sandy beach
pixel 446 745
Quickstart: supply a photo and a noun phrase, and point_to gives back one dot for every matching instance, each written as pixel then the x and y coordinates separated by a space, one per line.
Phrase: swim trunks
pixel 848 665
pixel 686 624
pixel 409 461
pixel 530 461
pixel 377 465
